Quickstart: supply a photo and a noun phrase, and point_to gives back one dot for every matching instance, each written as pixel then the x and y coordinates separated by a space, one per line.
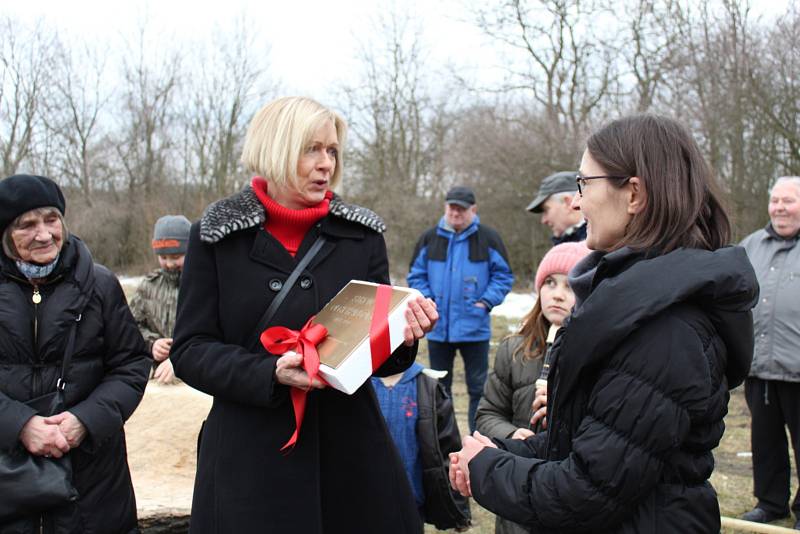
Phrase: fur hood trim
pixel 243 210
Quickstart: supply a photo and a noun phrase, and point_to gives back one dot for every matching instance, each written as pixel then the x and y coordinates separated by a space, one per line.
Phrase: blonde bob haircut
pixel 279 134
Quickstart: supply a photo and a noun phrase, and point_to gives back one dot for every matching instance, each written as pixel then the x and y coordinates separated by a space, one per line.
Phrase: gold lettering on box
pixel 348 317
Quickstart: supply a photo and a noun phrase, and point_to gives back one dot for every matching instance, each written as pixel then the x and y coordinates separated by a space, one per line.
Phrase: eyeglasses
pixel 581 180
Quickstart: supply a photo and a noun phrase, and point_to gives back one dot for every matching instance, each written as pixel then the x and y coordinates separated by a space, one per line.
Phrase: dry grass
pixel 732 477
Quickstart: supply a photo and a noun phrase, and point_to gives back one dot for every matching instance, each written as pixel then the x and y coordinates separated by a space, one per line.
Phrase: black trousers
pixel 476 367
pixel 774 405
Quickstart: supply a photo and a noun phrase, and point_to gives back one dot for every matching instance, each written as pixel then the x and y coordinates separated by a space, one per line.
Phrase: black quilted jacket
pixel 637 400
pixel 106 381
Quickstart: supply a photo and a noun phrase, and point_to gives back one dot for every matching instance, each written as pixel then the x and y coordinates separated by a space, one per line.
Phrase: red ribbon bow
pixel 279 339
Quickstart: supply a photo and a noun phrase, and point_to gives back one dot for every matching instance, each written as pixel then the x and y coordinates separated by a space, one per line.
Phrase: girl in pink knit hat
pixel 506 408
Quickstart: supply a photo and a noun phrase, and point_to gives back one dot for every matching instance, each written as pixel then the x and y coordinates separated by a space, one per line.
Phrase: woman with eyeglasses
pixel 661 331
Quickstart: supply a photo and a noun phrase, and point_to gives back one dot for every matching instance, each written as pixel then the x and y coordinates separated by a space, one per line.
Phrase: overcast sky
pixel 313 43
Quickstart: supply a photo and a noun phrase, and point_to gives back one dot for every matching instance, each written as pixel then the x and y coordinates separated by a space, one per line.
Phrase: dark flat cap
pixel 560 182
pixel 23 192
pixel 461 196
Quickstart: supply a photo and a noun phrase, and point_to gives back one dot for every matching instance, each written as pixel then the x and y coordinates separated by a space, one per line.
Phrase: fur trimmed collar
pixel 243 210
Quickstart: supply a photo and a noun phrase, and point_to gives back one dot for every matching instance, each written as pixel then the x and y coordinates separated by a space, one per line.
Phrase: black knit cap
pixel 23 192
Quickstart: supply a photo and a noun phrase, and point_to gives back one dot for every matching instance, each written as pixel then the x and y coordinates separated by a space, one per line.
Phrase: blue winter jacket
pixel 457 270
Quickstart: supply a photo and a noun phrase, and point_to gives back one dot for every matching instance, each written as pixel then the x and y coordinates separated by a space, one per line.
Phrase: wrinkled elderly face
pixel 38 235
pixel 784 208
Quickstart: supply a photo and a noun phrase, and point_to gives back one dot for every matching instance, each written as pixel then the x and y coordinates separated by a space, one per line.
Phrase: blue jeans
pixel 476 364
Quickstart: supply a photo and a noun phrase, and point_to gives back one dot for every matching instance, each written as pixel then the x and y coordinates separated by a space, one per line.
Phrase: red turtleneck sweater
pixel 286 225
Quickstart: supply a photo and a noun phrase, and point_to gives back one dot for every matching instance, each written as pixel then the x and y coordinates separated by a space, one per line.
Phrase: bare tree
pixel 26 60
pixel 652 47
pixel 148 116
pixel 713 86
pixel 228 81
pixel 398 132
pixel 775 85
pixel 73 118
pixel 567 68
pixel 505 167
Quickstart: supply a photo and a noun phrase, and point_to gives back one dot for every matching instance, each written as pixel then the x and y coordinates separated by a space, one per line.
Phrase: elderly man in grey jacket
pixel 773 388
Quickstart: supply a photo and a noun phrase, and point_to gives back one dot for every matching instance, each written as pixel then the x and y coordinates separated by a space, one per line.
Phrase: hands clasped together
pixel 421 317
pixel 164 373
pixel 52 436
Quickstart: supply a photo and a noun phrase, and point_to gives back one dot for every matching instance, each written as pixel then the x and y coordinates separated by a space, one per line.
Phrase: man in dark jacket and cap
pixel 553 201
pixel 51 290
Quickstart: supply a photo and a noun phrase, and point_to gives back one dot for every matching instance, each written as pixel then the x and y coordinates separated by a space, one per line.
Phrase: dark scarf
pixel 772 233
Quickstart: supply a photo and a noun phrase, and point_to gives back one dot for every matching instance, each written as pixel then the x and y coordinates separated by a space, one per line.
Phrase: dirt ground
pixel 162 438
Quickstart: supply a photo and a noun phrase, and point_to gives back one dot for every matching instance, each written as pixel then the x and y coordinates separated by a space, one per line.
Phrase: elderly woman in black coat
pixel 661 331
pixel 343 474
pixel 48 281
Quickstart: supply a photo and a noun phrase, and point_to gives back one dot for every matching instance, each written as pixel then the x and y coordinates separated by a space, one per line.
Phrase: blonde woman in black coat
pixel 661 330
pixel 344 474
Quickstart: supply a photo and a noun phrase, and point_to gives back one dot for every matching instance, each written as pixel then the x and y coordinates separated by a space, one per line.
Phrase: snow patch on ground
pixel 515 305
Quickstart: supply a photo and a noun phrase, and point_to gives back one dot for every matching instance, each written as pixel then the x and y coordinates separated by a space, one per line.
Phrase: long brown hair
pixel 534 333
pixel 683 206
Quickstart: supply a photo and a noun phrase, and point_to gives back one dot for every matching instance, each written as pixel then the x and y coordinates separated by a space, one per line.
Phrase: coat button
pixel 275 284
pixel 305 282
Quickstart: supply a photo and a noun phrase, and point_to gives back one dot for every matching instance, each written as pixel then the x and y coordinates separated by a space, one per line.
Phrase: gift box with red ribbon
pixel 353 335
pixel 365 323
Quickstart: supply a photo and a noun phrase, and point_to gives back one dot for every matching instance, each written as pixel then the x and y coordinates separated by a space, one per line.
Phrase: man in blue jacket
pixel 463 266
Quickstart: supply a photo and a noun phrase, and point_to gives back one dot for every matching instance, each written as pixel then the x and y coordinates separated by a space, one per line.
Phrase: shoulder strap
pixel 287 286
pixel 65 361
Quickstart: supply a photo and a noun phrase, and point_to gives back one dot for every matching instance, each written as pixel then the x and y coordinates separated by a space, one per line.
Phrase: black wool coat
pixel 637 396
pixel 344 475
pixel 106 381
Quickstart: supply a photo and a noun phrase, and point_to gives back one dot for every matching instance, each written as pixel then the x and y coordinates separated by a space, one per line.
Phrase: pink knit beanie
pixel 560 260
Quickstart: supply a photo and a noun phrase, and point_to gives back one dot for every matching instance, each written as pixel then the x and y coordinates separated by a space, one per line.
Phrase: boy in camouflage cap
pixel 156 299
